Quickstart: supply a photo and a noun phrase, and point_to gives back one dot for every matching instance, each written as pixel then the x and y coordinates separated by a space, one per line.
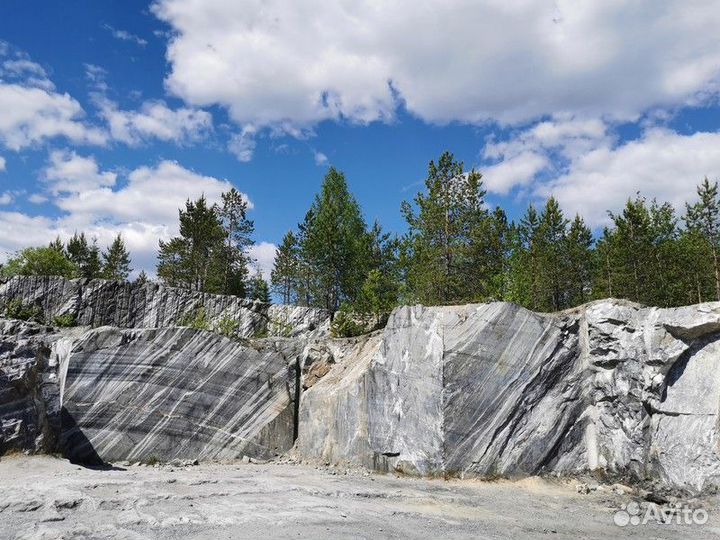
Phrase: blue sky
pixel 112 113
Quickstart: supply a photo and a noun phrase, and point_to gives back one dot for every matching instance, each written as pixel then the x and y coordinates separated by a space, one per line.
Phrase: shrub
pixel 197 320
pixel 65 321
pixel 16 309
pixel 280 328
pixel 227 327
pixel 345 324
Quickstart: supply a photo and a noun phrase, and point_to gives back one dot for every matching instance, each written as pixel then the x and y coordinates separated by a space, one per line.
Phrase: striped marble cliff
pixel 161 394
pixel 494 389
pixel 480 390
pixel 100 302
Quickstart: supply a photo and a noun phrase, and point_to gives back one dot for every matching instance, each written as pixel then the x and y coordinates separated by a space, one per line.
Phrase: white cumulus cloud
pixel 294 64
pixel 143 208
pixel 154 119
pixel 661 163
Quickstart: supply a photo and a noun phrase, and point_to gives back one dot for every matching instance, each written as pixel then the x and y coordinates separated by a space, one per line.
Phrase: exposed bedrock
pixel 494 389
pixel 161 394
pixel 478 390
pixel 29 388
pixel 101 302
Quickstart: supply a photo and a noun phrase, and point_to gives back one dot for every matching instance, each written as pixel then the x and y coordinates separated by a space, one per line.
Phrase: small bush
pixel 280 328
pixel 345 324
pixel 16 309
pixel 65 321
pixel 227 327
pixel 197 320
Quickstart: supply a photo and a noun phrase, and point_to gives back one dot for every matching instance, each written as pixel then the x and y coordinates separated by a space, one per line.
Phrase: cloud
pixel 124 35
pixel 70 173
pixel 2 163
pixel 274 63
pixel 548 146
pixel 31 115
pixel 661 163
pixel 154 119
pixel 264 256
pixel 32 111
pixel 143 208
pixel 242 144
pixel 6 198
pixel 320 158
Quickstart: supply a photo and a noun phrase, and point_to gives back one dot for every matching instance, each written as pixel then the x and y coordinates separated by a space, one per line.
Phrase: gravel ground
pixel 43 497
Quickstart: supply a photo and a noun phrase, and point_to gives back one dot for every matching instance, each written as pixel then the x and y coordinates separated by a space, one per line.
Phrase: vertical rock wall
pixel 101 302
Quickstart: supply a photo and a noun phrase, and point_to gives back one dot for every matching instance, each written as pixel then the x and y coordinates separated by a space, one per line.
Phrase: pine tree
pixel 195 260
pixel 703 217
pixel 441 225
pixel 142 278
pixel 238 229
pixel 580 266
pixel 285 273
pixel 334 244
pixel 258 288
pixel 524 263
pixel 116 261
pixel 85 256
pixel 57 245
pixel 552 263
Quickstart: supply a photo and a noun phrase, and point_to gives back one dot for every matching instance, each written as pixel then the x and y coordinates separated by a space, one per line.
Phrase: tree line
pixel 209 255
pixel 78 258
pixel 459 250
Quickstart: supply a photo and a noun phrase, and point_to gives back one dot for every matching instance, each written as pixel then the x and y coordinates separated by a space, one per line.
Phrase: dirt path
pixel 48 498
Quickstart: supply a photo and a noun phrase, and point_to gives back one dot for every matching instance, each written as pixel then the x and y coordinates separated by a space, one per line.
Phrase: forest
pixel 457 249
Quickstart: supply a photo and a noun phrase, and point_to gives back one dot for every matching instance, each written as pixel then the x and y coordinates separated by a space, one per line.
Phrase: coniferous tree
pixel 334 245
pixel 195 258
pixel 552 263
pixel 57 245
pixel 285 273
pixel 258 288
pixel 238 230
pixel 443 224
pixel 580 267
pixel 116 261
pixel 142 278
pixel 703 218
pixel 85 256
pixel 524 264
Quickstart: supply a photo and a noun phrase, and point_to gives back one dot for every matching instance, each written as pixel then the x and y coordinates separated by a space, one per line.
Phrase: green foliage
pixel 258 288
pixel 42 261
pixel 285 276
pixel 16 309
pixel 445 239
pixel 197 320
pixel 335 245
pixel 280 328
pixel 142 278
pixel 347 324
pixel 85 256
pixel 116 261
pixel 65 321
pixel 227 327
pixel 210 253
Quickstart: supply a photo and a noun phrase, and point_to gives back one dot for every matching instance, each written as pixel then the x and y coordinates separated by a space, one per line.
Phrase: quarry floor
pixel 43 497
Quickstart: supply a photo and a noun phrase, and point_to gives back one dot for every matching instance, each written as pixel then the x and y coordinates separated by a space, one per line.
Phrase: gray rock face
pixel 29 388
pixel 494 389
pixel 478 390
pixel 160 394
pixel 125 305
